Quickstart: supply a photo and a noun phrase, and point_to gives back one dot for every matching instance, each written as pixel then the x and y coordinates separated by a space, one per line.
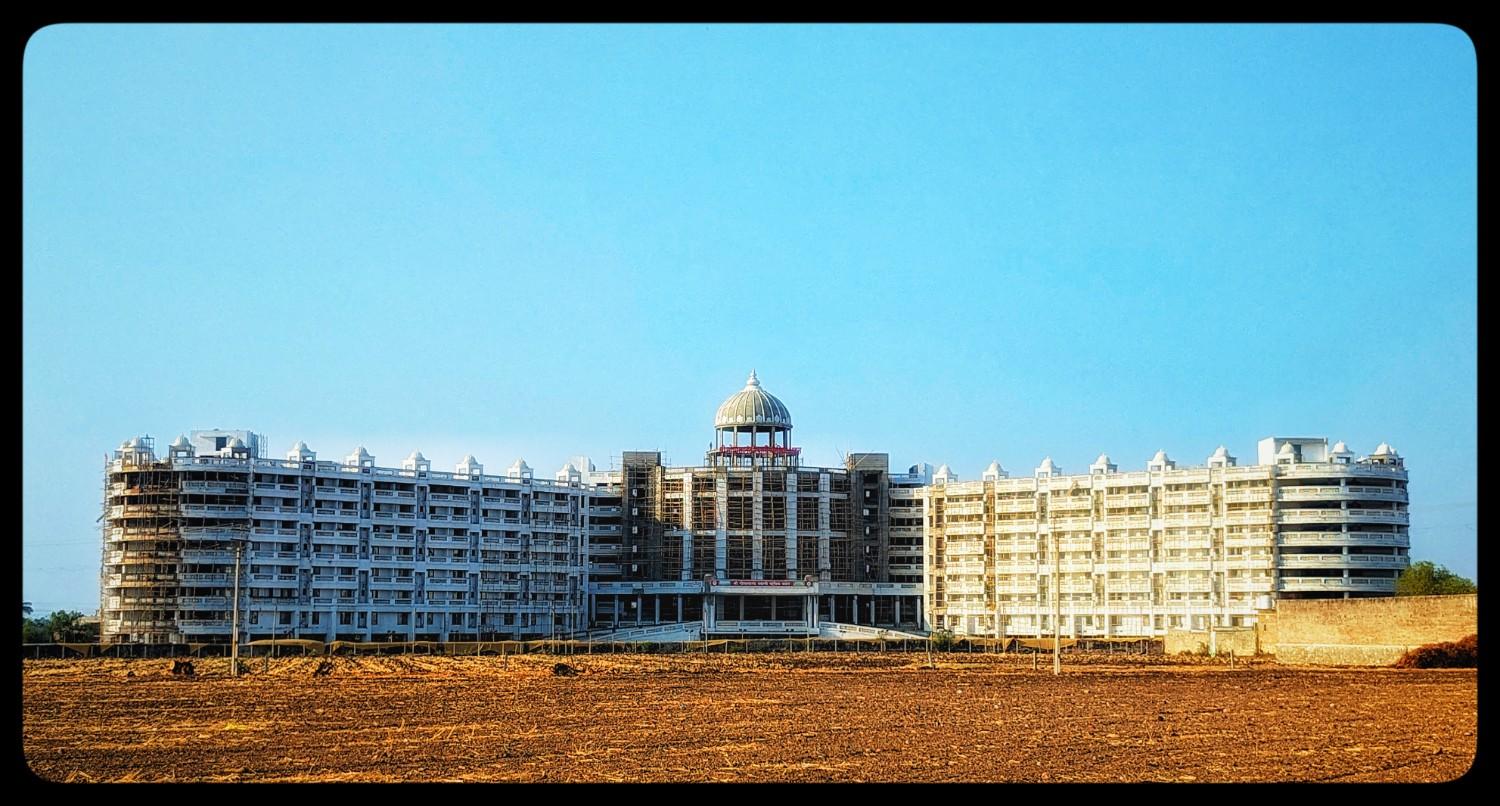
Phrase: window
pixel 220 442
pixel 286 618
pixel 403 619
pixel 346 619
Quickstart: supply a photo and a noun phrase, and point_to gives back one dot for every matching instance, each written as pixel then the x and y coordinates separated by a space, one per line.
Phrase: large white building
pixel 335 550
pixel 752 542
pixel 1137 553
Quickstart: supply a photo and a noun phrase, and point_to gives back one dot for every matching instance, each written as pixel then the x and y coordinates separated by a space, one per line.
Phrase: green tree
pixel 63 625
pixel 34 631
pixel 1424 578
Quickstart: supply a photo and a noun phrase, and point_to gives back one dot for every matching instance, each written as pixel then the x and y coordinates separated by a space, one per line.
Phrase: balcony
pixel 1260 516
pixel 141 602
pixel 203 626
pixel 1379 516
pixel 1251 496
pixel 142 511
pixel 335 537
pixel 972 568
pixel 1185 498
pixel 1341 561
pixel 392 559
pixel 1126 521
pixel 1203 585
pixel 203 602
pixel 1248 538
pixel 207 556
pixel 1187 518
pixel 1254 561
pixel 393 495
pixel 1025 505
pixel 1252 585
pixel 1310 493
pixel 961 528
pixel 206 579
pixel 1071 523
pixel 337 512
pixel 1010 527
pixel 1127 585
pixel 1127 501
pixel 965 548
pixel 1377 493
pixel 214 511
pixel 1125 564
pixel 1183 563
pixel 337 493
pixel 1070 502
pixel 216 487
pixel 391 539
pixel 1312 584
pixel 391 583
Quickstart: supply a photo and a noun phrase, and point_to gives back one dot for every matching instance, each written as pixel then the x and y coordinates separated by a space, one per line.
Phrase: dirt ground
pixel 797 717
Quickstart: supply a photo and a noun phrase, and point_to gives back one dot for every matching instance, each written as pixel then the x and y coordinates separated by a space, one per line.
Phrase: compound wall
pixel 1363 632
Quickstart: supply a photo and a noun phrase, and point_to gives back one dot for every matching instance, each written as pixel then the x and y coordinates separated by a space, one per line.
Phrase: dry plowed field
pixel 815 717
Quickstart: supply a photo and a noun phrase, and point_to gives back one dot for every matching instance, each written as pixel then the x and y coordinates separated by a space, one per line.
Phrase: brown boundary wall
pixel 1363 632
pixel 1224 641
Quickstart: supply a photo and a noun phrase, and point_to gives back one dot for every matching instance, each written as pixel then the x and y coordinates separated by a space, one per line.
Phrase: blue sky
pixel 950 243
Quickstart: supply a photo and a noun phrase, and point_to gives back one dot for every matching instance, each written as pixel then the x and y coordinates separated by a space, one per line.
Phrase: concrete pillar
pixel 854 610
pixel 898 610
pixel 656 603
pixel 640 606
pixel 872 610
pixel 614 611
pixel 679 608
pixel 773 607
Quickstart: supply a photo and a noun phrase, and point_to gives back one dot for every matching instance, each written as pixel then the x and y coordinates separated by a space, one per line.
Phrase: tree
pixel 1424 578
pixel 25 609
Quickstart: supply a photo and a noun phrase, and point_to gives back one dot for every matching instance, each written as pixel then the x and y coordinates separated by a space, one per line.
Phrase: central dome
pixel 752 406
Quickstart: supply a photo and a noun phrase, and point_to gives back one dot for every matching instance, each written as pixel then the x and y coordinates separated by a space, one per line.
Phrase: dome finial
pixel 752 381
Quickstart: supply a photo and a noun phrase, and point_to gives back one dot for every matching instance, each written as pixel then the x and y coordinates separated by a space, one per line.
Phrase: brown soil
pixel 817 717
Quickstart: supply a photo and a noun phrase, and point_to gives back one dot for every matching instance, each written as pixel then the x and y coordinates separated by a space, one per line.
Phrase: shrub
pixel 942 640
pixel 1460 654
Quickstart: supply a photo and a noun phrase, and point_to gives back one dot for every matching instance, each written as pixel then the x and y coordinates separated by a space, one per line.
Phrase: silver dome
pixel 752 406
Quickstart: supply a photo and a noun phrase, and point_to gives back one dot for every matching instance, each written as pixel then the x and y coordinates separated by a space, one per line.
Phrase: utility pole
pixel 1056 610
pixel 234 618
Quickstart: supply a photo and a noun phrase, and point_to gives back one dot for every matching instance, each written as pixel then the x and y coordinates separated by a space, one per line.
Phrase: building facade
pixel 1138 553
pixel 334 550
pixel 751 542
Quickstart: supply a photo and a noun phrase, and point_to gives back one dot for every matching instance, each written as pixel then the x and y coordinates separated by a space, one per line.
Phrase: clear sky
pixel 949 243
